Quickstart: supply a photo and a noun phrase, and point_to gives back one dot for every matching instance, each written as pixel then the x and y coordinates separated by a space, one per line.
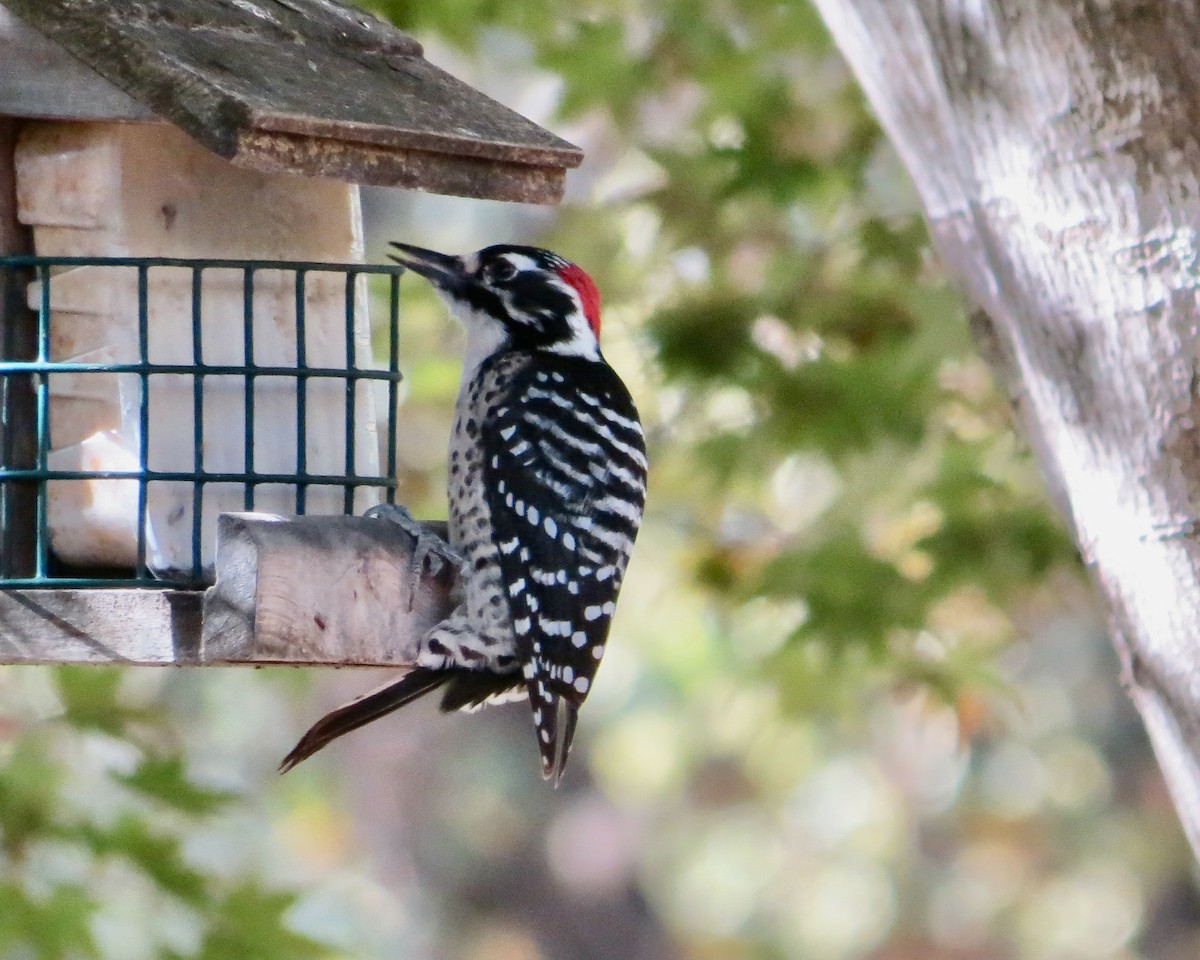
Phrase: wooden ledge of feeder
pixel 317 590
pixel 303 86
pixel 303 591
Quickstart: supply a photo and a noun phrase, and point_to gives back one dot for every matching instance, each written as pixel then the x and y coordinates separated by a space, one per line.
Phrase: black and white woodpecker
pixel 546 489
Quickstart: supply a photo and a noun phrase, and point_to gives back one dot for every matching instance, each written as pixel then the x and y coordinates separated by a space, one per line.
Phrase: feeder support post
pixel 18 341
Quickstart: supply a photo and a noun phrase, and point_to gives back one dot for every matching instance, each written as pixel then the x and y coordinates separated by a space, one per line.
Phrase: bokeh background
pixel 858 702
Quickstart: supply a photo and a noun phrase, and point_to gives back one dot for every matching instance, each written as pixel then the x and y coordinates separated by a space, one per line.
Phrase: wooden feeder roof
pixel 299 86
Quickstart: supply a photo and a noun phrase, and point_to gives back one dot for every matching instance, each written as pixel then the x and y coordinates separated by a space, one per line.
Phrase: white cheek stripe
pixel 583 340
pixel 484 337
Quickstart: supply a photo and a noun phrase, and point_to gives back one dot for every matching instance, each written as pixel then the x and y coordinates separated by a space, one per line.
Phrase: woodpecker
pixel 547 484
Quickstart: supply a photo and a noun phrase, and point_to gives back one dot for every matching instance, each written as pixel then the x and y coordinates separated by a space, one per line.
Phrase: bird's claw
pixel 430 555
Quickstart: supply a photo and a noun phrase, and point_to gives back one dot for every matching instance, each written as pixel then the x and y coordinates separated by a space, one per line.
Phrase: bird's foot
pixel 431 554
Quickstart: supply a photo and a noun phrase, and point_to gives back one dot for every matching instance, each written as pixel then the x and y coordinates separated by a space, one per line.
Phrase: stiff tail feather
pixel 554 739
pixel 572 716
pixel 368 707
pixel 471 689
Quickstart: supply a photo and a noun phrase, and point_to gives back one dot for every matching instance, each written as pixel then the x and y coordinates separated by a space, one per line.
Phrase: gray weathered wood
pixel 308 86
pixel 38 78
pixel 1055 147
pixel 142 627
pixel 18 341
pixel 309 591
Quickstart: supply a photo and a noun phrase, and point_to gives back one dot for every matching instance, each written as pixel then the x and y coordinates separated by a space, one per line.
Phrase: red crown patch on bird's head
pixel 589 293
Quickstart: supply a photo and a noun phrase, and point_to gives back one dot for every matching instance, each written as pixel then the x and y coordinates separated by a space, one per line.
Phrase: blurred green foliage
pixel 96 805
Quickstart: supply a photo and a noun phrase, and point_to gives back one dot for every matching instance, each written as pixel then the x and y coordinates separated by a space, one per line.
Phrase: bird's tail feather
pixel 554 738
pixel 568 735
pixel 370 706
pixel 471 689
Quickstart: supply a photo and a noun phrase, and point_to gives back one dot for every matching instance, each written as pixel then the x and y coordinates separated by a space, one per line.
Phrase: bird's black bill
pixel 440 269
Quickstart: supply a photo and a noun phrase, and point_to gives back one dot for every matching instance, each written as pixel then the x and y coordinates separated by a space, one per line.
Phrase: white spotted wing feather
pixel 565 477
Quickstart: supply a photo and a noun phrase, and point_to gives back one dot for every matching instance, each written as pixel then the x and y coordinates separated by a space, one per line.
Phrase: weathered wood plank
pixel 38 78
pixel 460 176
pixel 309 591
pixel 333 90
pixel 148 627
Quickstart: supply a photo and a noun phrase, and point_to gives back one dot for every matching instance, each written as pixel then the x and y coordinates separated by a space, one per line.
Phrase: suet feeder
pixel 184 330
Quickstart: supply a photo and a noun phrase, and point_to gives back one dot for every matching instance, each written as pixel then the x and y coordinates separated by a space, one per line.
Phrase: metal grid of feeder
pixel 273 412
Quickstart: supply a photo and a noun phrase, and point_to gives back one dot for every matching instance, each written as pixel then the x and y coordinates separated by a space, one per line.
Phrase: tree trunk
pixel 1055 147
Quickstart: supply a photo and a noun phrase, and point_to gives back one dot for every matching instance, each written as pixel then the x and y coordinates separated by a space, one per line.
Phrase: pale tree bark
pixel 1056 148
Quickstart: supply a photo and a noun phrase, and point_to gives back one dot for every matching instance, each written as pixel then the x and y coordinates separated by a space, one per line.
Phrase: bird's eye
pixel 500 271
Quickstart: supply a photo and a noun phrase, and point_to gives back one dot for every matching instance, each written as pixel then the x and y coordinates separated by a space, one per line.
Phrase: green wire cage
pixel 197 386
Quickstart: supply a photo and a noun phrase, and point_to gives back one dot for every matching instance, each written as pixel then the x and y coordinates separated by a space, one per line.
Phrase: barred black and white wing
pixel 565 475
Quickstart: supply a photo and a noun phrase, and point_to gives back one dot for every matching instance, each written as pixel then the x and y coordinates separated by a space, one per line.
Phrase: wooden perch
pixel 313 591
pixel 332 590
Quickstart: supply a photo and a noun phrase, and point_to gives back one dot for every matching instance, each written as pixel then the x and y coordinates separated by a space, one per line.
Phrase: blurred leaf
pixel 249 923
pixel 90 699
pixel 52 927
pixel 853 597
pixel 29 784
pixel 165 779
pixel 160 858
